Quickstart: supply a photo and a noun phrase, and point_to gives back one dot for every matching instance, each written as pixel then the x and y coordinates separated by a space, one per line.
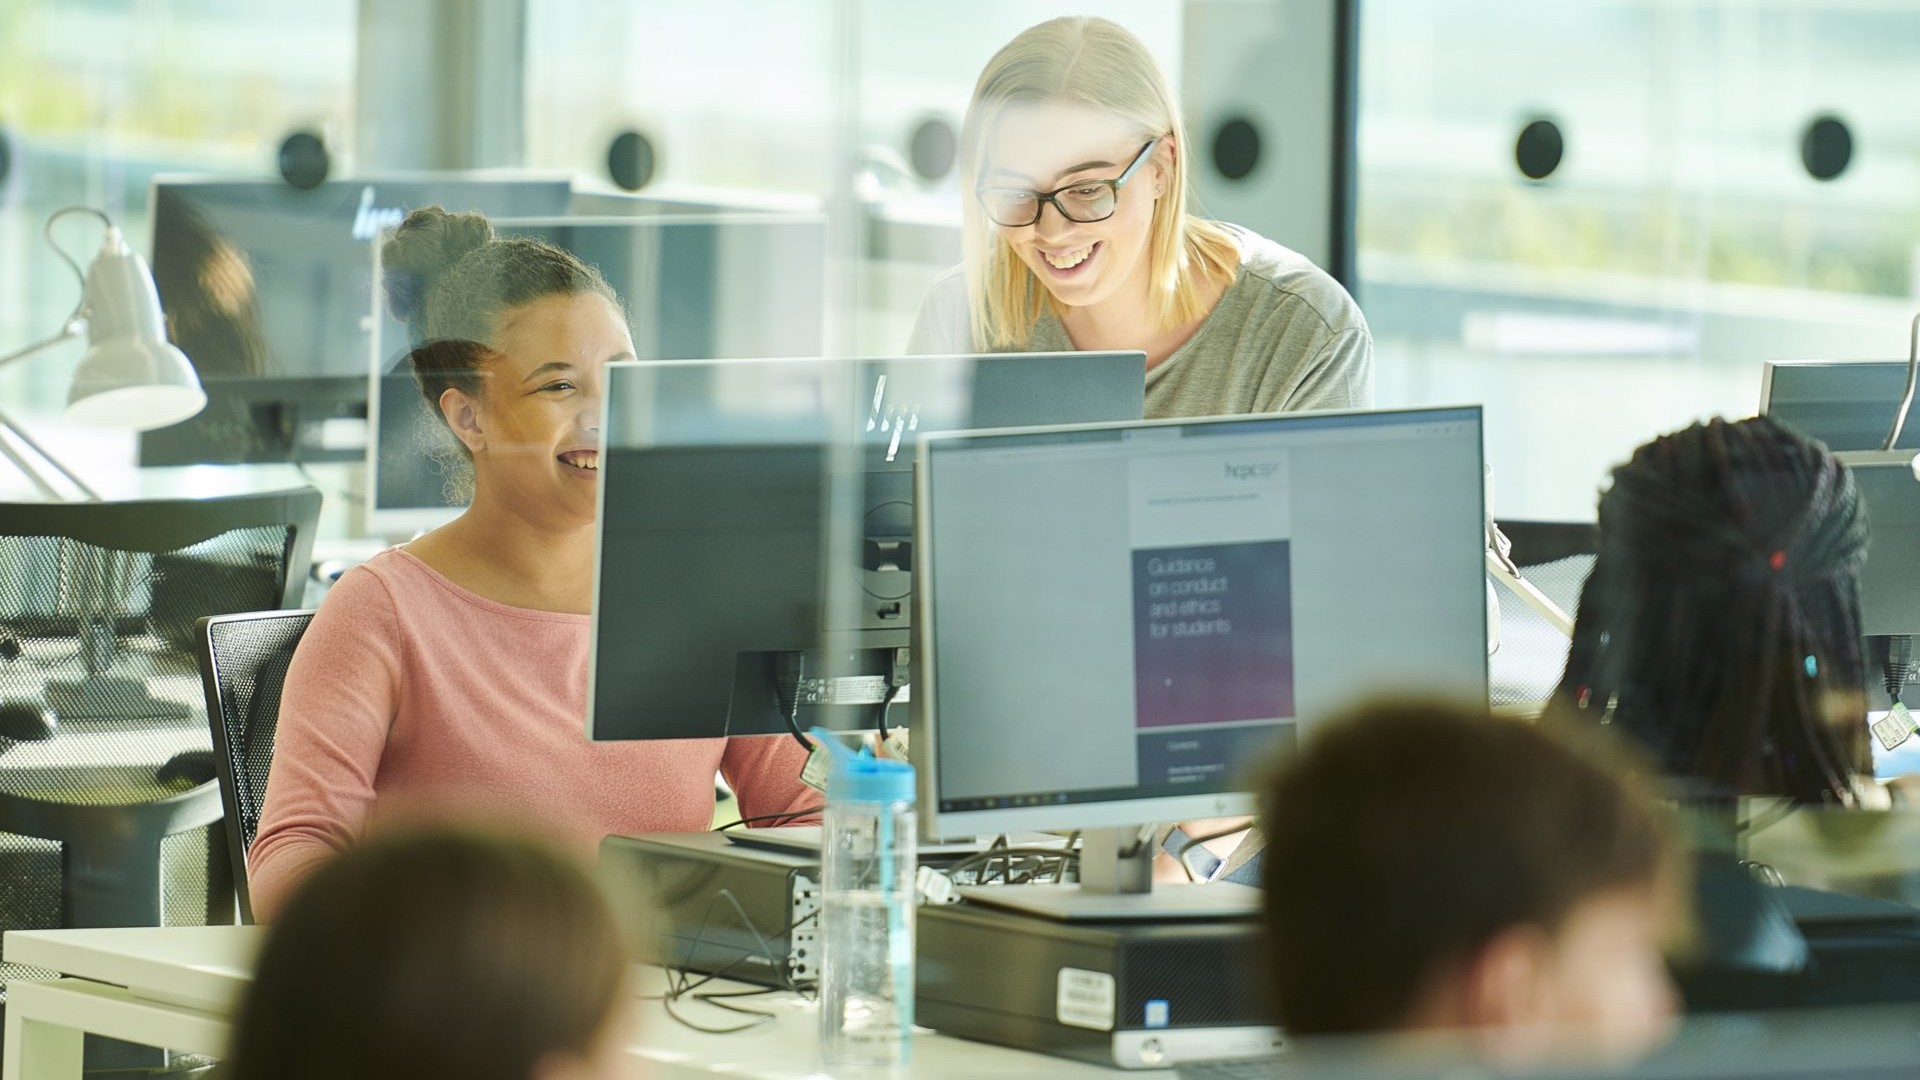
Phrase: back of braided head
pixel 1721 623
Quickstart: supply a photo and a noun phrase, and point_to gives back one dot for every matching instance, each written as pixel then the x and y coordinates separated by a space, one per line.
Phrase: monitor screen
pixel 1116 622
pixel 1847 404
pixel 266 288
pixel 694 287
pixel 726 488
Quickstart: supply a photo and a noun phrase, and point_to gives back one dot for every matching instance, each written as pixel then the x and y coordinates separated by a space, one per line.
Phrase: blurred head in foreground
pixel 1431 869
pixel 439 952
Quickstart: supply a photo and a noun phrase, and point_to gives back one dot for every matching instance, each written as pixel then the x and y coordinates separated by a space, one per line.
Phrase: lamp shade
pixel 131 375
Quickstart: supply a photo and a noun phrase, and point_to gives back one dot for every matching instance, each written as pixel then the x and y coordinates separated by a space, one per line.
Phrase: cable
pixel 769 817
pixel 79 274
pixel 1913 376
pixel 886 704
pixel 680 985
pixel 999 850
pixel 1070 853
pixel 792 712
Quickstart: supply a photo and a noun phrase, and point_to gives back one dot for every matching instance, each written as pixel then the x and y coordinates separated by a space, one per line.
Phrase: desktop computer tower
pixel 1128 994
pixel 698 902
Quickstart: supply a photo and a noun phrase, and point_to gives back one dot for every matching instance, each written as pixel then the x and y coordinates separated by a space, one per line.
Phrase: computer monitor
pixel 266 289
pixel 695 287
pixel 1890 578
pixel 723 486
pixel 1847 404
pixel 1116 622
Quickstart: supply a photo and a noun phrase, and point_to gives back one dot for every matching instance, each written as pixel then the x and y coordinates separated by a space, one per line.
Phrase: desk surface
pixel 209 967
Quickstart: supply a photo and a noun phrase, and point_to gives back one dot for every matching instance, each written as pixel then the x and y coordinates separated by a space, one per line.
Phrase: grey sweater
pixel 1284 336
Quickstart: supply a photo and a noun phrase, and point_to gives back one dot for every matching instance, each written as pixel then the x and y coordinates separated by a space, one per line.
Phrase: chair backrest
pixel 1556 558
pixel 97 608
pixel 243 664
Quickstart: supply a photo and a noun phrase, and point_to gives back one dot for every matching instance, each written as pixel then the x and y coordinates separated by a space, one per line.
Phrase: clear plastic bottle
pixel 867 882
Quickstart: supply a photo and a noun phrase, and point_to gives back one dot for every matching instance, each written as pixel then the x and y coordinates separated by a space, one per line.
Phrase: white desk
pixel 176 987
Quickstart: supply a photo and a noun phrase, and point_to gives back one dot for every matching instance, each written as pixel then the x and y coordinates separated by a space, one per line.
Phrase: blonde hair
pixel 1097 63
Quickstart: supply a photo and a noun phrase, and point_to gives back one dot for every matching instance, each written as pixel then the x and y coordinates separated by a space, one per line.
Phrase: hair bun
pixel 427 244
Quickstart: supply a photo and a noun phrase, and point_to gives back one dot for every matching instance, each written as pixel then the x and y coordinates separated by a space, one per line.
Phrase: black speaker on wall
pixel 1270 89
pixel 630 160
pixel 304 160
pixel 6 157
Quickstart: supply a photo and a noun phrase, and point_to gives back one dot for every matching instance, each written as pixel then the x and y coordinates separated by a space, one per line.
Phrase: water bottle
pixel 867 881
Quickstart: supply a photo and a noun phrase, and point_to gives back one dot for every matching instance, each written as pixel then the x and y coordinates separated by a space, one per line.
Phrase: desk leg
pixel 38 1050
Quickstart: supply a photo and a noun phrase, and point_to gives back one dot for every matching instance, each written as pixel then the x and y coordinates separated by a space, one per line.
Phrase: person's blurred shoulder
pixel 943 327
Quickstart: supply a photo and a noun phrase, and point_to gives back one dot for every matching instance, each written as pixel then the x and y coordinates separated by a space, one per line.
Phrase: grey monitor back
pixel 1847 404
pixel 712 587
pixel 1890 580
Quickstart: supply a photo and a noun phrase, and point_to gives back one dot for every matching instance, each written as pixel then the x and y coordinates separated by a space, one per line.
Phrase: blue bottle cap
pixel 861 777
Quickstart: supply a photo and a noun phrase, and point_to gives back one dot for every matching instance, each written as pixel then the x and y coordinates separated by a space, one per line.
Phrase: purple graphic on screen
pixel 1212 633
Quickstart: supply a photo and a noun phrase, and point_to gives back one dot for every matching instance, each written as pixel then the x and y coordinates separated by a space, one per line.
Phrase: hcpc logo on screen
pixel 1252 471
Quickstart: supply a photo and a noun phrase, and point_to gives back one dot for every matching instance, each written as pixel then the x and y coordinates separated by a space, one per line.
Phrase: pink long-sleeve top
pixel 410 694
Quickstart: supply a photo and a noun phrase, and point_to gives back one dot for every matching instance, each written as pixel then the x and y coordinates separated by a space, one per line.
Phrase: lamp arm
pixel 1509 576
pixel 10 429
pixel 67 333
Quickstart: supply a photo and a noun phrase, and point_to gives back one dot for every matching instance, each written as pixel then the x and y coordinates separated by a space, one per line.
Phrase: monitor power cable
pixel 787 815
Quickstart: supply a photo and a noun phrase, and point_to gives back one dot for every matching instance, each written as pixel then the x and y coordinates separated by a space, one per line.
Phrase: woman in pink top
pixel 449 676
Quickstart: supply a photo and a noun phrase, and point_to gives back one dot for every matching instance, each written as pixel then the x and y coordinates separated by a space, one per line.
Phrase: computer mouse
pixel 25 720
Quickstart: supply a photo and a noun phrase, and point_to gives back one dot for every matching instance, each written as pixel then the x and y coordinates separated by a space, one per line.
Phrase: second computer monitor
pixel 266 289
pixel 1116 622
pixel 1846 404
pixel 756 527
pixel 693 286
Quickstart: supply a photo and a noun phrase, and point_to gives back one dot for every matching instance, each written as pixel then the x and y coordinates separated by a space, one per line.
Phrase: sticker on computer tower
pixel 1085 999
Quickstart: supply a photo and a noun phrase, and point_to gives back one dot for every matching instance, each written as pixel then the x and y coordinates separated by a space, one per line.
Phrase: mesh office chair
pixel 109 810
pixel 1556 558
pixel 243 663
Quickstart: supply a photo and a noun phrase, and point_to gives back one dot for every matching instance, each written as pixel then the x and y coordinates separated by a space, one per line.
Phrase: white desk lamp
pixel 131 376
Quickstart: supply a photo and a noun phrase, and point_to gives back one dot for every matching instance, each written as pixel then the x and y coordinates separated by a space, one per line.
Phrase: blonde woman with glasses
pixel 1078 236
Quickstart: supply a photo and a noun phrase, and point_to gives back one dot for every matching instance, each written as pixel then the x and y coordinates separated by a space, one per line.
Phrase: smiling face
pixel 1046 147
pixel 535 432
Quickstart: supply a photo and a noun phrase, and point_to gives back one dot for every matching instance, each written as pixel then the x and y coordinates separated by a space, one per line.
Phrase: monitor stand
pixel 1116 884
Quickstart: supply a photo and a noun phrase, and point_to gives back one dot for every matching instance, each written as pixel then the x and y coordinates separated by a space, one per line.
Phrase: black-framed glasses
pixel 1084 201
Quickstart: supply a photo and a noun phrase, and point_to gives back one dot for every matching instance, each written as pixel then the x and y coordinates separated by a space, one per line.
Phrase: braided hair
pixel 1721 622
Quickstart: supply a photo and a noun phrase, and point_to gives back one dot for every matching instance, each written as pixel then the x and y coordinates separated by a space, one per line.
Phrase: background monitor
pixel 1847 404
pixel 695 287
pixel 1890 578
pixel 1116 622
pixel 267 289
pixel 718 487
